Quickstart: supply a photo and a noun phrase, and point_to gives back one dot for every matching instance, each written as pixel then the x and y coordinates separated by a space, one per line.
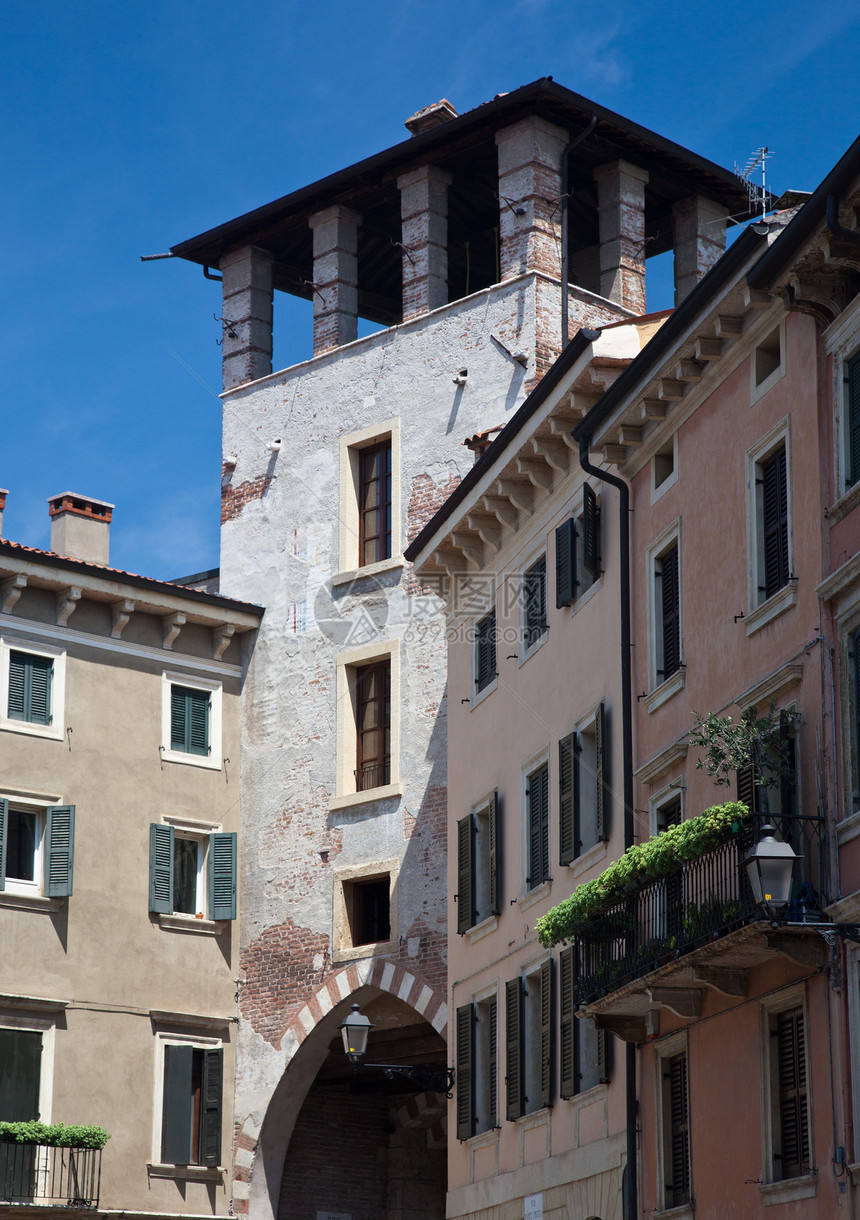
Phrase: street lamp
pixel 770 866
pixel 355 1030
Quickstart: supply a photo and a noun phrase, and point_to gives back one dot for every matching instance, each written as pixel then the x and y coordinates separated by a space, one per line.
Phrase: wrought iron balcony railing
pixel 43 1175
pixel 661 920
pixel 372 775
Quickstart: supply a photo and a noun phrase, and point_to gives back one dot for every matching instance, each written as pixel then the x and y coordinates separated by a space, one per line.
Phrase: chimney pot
pixel 80 527
pixel 3 494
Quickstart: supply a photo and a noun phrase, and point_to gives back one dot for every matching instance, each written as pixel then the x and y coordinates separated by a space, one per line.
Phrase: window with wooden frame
pixel 191 1104
pixel 192 874
pixel 675 1176
pixel 368 907
pixel 667 605
pixel 374 503
pixel 477 1067
pixel 484 652
pixel 478 865
pixel 583 1048
pixel 36 848
pixel 577 551
pixel 788 1139
pixel 771 582
pixel 537 827
pixel 529 1041
pixel 373 725
pixel 583 788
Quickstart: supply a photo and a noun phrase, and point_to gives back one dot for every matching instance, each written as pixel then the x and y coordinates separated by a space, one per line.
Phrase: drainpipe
pixel 631 1183
pixel 565 244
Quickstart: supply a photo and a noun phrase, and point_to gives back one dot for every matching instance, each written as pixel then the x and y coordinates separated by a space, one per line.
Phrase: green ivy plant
pixel 54 1135
pixel 660 856
pixel 728 745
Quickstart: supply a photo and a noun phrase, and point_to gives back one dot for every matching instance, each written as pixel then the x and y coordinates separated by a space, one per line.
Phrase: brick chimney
pixel 80 527
pixel 430 116
pixel 3 494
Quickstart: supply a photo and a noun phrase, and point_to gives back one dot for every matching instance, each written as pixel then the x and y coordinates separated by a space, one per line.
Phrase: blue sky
pixel 129 127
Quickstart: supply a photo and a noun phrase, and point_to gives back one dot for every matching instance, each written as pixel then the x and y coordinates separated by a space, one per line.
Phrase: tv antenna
pixel 755 193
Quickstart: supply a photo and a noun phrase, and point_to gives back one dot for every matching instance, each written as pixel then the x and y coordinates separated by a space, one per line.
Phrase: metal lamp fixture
pixel 770 866
pixel 355 1031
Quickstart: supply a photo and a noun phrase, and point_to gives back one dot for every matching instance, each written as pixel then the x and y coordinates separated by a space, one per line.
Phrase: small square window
pixel 768 357
pixel 365 910
pixel 191 721
pixel 368 904
pixel 32 689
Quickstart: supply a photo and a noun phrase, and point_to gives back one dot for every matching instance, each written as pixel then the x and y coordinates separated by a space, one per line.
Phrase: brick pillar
pixel 247 311
pixel 621 203
pixel 699 238
pixel 335 277
pixel 424 216
pixel 530 180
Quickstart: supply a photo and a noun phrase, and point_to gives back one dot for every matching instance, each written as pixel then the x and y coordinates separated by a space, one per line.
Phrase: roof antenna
pixel 756 194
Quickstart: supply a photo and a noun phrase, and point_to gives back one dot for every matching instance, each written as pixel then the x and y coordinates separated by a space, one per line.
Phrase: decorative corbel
pixel 221 638
pixel 10 590
pixel 120 613
pixel 172 624
pixel 67 603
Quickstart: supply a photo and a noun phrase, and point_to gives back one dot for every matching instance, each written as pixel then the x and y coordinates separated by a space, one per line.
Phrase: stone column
pixel 621 203
pixel 246 291
pixel 335 277
pixel 699 238
pixel 424 217
pixel 530 197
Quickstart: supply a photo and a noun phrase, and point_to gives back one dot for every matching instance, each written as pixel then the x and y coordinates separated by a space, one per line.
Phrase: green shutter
pixel 189 720
pixel 59 851
pixel 678 1190
pixel 546 1007
pixel 538 813
pixel 30 680
pixel 793 1114
pixel 514 1048
pixel 492 1063
pixel 565 563
pixel 176 1117
pixel 747 788
pixel 567 1019
pixel 4 822
pixel 566 828
pixel 465 1072
pixel 210 1118
pixel 602 767
pixel 852 461
pixel 161 869
pixel 591 532
pixel 465 874
pixel 495 853
pixel 222 876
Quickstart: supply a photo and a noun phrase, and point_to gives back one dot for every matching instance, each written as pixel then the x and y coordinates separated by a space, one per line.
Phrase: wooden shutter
pixel 590 532
pixel 210 1117
pixel 494 834
pixel 20 1070
pixel 855 697
pixel 492 1062
pixel 177 1109
pixel 538 805
pixel 59 851
pixel 485 651
pixel 546 1013
pixel 670 601
pixel 793 1115
pixel 161 868
pixel 788 775
pixel 30 679
pixel 222 876
pixel 678 1189
pixel 565 563
pixel 567 1029
pixel 4 825
pixel 604 1056
pixel 747 788
pixel 465 1072
pixel 775 522
pixel 852 420
pixel 199 703
pixel 465 874
pixel 602 777
pixel 514 1048
pixel 567 845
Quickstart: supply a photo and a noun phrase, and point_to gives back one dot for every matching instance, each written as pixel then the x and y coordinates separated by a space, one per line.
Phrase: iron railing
pixel 42 1174
pixel 661 920
pixel 372 775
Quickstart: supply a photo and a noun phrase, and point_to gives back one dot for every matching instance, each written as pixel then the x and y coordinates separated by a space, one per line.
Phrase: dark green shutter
pixel 602 768
pixel 177 1110
pixel 566 826
pixel 852 420
pixel 465 874
pixel 514 1048
pixel 538 806
pixel 210 1118
pixel 189 720
pixel 492 1062
pixel 591 532
pixel 30 680
pixel 670 602
pixel 161 868
pixel 747 788
pixel 465 1072
pixel 20 1070
pixel 495 853
pixel 678 1190
pixel 791 1072
pixel 604 1056
pixel 222 876
pixel 775 522
pixel 567 1020
pixel 855 697
pixel 565 563
pixel 4 823
pixel 546 1013
pixel 59 851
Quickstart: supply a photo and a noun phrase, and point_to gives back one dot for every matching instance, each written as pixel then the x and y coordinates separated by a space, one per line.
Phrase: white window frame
pixel 842 344
pixel 762 610
pixel 343 948
pixel 213 760
pixel 663 689
pixel 770 1007
pixel 188 828
pixel 36 887
pixel 480 812
pixel 197 1042
pixel 675 790
pixel 47 1027
pixel 660 489
pixel 351 445
pixel 57 728
pixel 478 696
pixel 530 1029
pixel 480 1052
pixel 348 662
pixel 759 388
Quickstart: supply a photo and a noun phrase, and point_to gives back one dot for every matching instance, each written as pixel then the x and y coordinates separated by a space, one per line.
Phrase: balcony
pixel 42 1175
pixel 669 938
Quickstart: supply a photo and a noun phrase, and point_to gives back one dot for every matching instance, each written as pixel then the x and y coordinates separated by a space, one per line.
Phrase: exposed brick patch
pixel 234 499
pixel 425 499
pixel 278 975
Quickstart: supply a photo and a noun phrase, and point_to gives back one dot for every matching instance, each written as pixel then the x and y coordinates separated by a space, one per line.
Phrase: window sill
pixel 527 653
pixel 191 760
pixel 364 798
pixel 586 595
pixel 46 731
pixel 848 828
pixel 482 694
pixel 843 506
pixel 29 902
pixel 370 569
pixel 190 923
pixel 685 1211
pixel 664 692
pixel 479 930
pixel 534 896
pixel 353 953
pixel 783 599
pixel 587 859
pixel 187 1173
pixel 788 1190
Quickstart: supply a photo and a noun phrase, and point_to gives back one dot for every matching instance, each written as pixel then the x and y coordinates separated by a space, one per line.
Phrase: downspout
pixel 565 244
pixel 631 1185
pixel 832 220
